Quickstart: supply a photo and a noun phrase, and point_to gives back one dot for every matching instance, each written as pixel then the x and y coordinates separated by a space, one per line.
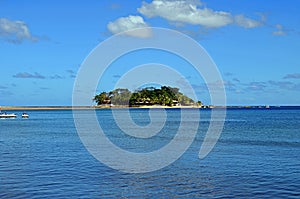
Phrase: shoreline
pixel 28 108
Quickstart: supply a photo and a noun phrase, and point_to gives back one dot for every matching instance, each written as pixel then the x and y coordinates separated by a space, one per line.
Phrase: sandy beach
pixel 24 108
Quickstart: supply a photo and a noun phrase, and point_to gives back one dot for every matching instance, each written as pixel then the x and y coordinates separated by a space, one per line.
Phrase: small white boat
pixel 4 115
pixel 25 115
pixel 7 115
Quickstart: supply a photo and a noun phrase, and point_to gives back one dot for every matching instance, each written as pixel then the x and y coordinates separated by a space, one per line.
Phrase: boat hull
pixel 3 116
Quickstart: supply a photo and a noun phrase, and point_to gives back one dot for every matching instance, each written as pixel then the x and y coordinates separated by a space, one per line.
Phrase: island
pixel 149 96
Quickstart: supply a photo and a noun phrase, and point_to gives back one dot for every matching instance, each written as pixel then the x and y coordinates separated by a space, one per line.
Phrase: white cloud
pixel 186 12
pixel 130 24
pixel 279 30
pixel 15 31
pixel 245 22
pixel 192 12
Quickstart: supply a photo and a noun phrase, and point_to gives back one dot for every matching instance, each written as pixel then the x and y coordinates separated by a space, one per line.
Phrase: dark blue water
pixel 257 156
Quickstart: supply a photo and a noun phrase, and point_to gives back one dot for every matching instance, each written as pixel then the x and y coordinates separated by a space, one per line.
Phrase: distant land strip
pixel 25 108
pixel 16 108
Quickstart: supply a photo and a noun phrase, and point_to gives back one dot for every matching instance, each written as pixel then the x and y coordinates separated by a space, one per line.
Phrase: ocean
pixel 256 156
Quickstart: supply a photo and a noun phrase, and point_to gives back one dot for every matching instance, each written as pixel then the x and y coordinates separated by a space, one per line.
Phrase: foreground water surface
pixel 257 155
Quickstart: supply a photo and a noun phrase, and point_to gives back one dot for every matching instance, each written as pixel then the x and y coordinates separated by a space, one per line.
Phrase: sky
pixel 254 44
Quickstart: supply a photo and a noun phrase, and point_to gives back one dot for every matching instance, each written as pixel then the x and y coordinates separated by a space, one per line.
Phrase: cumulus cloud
pixel 280 31
pixel 15 31
pixel 29 75
pixel 292 76
pixel 180 13
pixel 193 12
pixel 245 22
pixel 185 12
pixel 130 25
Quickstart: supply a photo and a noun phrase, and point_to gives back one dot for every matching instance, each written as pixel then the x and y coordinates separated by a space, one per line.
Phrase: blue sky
pixel 255 45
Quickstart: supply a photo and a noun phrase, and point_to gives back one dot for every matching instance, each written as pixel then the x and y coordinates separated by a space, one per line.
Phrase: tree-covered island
pixel 165 96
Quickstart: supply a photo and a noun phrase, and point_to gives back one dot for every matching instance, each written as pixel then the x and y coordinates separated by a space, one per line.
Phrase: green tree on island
pixel 102 98
pixel 166 95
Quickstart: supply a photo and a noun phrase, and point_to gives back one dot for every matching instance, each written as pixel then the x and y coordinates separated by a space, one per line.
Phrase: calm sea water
pixel 257 156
